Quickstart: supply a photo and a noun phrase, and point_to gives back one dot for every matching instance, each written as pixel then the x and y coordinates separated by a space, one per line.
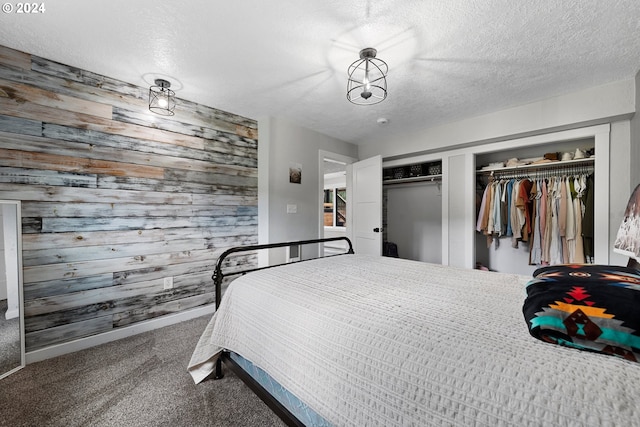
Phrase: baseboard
pixel 138 328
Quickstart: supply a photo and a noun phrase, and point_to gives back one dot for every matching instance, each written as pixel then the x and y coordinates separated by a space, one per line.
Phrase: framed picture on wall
pixel 295 173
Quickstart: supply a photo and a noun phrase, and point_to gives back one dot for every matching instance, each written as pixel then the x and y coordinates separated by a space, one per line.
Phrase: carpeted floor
pixel 138 381
pixel 9 340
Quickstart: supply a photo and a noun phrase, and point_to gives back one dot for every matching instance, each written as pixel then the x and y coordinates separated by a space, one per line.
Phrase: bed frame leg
pixel 219 374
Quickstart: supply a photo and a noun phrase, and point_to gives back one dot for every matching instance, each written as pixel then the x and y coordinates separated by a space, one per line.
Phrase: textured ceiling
pixel 448 59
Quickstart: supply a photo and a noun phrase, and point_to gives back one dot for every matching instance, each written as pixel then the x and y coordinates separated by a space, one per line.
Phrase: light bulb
pixel 162 102
pixel 366 93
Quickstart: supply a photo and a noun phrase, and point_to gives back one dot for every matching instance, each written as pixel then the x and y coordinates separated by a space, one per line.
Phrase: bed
pixel 357 340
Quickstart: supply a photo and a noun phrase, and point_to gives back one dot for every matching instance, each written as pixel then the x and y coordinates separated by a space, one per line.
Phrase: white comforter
pixel 374 341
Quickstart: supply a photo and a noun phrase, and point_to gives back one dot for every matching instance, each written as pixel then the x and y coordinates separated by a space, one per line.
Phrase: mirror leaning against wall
pixel 12 355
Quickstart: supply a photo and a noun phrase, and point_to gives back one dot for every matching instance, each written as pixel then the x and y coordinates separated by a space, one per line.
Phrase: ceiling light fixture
pixel 162 100
pixel 367 83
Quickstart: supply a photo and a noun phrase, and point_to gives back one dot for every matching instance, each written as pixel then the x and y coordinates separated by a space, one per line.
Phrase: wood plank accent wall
pixel 116 198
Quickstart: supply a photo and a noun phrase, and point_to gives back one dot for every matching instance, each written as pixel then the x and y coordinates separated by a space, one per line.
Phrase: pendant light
pixel 162 100
pixel 367 84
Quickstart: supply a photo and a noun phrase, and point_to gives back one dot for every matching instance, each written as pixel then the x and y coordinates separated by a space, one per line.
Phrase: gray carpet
pixel 9 340
pixel 138 381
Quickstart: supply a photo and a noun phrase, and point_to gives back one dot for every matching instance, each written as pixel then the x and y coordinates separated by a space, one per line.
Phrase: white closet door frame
pixel 601 136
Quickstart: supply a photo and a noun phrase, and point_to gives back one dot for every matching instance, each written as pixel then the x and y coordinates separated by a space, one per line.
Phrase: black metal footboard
pixel 218 277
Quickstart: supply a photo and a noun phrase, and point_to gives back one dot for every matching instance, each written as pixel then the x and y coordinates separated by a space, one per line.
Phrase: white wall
pixel 281 143
pixel 621 169
pixel 635 141
pixel 600 104
pixel 414 220
pixel 457 218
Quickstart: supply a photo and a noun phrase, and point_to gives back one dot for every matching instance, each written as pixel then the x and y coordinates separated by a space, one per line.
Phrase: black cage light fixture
pixel 162 100
pixel 367 83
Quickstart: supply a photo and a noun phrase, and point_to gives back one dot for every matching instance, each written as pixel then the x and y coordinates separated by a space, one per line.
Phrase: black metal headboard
pixel 218 275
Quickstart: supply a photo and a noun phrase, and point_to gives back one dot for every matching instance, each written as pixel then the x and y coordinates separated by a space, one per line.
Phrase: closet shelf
pixel 542 166
pixel 434 178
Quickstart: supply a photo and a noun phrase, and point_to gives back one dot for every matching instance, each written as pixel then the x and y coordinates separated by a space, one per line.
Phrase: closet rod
pixel 543 170
pixel 544 173
pixel 426 179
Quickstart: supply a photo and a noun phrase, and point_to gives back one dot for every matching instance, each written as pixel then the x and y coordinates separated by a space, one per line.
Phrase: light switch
pixel 291 209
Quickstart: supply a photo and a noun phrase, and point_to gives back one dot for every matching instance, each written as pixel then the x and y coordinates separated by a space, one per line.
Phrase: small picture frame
pixel 295 173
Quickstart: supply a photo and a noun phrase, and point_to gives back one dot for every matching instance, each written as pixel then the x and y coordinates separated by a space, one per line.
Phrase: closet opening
pixel 412 211
pixel 534 206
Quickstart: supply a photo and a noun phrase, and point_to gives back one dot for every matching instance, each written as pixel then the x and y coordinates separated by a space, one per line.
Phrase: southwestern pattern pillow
pixel 589 307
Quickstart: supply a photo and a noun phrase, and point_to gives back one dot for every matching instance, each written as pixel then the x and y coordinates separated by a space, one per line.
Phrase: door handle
pixel 377 229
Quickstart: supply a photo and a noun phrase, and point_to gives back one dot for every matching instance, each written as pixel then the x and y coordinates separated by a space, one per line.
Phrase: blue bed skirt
pixel 299 409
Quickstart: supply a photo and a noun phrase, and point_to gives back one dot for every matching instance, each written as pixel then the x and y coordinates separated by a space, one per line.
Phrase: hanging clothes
pixel 548 230
pixel 509 189
pixel 570 228
pixel 552 215
pixel 516 222
pixel 587 222
pixel 481 213
pixel 542 214
pixel 555 253
pixel 523 203
pixel 579 212
pixel 535 248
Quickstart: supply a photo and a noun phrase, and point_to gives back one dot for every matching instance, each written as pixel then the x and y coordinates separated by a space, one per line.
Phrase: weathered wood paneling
pixel 49 288
pixel 160 309
pixel 32 242
pixel 26 159
pixel 67 332
pixel 32 111
pixel 89 195
pixel 23 93
pixel 116 199
pixel 22 175
pixel 165 185
pixel 82 253
pixel 96 87
pixel 13 58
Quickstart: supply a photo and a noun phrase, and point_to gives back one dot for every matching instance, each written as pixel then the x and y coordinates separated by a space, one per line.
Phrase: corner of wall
pixel 635 137
pixel 264 124
pixel 283 143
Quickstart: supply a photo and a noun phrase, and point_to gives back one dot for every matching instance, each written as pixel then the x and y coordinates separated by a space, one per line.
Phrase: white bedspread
pixel 374 341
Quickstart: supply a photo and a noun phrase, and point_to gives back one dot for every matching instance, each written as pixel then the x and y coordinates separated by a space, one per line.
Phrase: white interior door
pixel 367 206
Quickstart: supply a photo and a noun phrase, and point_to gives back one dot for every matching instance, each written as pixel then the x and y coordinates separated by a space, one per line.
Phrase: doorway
pixel 11 335
pixel 334 201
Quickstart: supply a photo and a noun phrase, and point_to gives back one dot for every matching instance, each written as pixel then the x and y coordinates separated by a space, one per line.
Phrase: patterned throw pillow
pixel 589 307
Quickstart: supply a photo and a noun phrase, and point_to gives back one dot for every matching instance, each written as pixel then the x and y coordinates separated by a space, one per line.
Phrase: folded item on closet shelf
pixel 531 160
pixel 515 162
pixel 552 156
pixel 494 165
pixel 567 156
pixel 543 161
pixel 580 154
